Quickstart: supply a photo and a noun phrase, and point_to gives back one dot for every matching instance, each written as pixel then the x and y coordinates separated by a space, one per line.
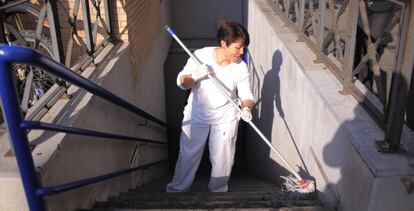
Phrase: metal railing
pixel 367 45
pixel 17 126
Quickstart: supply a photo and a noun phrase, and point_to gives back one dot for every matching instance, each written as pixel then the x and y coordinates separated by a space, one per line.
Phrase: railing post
pixel 87 26
pixel 108 16
pixel 320 35
pixel 2 33
pixel 20 144
pixel 301 16
pixel 348 64
pixel 57 43
pixel 401 78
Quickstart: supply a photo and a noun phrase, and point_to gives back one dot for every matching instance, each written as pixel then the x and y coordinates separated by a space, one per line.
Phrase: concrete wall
pixel 204 16
pixel 144 27
pixel 66 158
pixel 326 136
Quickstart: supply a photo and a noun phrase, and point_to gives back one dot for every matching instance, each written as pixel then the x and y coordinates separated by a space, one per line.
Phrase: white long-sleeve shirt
pixel 206 103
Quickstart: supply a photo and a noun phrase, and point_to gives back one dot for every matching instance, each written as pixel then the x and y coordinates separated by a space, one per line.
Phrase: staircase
pixel 245 193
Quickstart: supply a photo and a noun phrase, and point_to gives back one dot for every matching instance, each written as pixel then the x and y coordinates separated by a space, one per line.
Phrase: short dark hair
pixel 230 31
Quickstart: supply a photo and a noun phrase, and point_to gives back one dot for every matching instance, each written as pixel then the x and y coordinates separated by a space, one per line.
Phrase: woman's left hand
pixel 246 114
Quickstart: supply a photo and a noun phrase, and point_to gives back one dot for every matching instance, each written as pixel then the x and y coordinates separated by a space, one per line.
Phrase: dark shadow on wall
pixel 343 152
pixel 264 114
pixel 268 110
pixel 410 104
pixel 175 100
pixel 351 188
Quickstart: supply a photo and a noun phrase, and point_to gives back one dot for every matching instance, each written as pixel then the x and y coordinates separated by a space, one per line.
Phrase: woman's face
pixel 234 50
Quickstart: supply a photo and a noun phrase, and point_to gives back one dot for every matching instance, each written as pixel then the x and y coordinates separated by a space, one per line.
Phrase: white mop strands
pixel 295 187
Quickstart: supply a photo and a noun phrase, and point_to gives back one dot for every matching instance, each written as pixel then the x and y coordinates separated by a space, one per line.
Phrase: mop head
pixel 297 190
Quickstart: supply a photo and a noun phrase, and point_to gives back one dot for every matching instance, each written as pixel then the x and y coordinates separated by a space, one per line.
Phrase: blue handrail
pixel 46 191
pixel 79 131
pixel 17 126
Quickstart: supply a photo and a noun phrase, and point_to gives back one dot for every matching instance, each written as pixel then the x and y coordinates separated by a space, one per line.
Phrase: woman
pixel 208 112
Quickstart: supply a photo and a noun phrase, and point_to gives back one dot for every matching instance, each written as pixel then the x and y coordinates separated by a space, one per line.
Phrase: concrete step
pixel 200 185
pixel 200 196
pixel 304 208
pixel 245 193
pixel 177 204
pixel 203 188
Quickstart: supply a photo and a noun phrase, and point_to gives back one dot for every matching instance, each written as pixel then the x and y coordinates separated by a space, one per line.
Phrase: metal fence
pixel 73 33
pixel 368 46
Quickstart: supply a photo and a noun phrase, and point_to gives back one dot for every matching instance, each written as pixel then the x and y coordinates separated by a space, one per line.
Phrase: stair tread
pixel 198 192
pixel 198 197
pixel 204 188
pixel 200 184
pixel 207 204
pixel 294 208
pixel 244 193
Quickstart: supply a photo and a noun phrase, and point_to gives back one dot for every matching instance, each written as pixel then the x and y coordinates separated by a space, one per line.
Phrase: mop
pixel 295 186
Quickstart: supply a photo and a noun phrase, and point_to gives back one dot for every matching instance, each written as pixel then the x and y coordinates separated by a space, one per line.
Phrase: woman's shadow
pixel 271 99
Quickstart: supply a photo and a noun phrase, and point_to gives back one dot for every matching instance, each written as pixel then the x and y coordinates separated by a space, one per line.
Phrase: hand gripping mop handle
pixel 221 89
pixel 198 62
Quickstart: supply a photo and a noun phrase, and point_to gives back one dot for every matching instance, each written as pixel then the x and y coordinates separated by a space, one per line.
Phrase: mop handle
pixel 221 89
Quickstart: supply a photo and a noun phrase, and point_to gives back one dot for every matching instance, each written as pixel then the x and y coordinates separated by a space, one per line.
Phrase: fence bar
pixel 108 15
pixel 20 144
pixel 321 24
pixel 286 6
pixel 301 15
pixel 55 34
pixel 2 32
pixel 79 131
pixel 348 64
pixel 87 26
pixel 400 81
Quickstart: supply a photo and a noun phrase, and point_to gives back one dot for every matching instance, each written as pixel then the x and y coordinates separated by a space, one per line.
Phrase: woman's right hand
pixel 201 72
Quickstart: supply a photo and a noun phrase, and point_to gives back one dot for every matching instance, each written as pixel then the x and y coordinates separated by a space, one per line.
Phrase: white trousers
pixel 222 144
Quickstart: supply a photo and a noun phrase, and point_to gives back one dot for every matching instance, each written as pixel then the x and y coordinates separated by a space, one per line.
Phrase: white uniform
pixel 208 111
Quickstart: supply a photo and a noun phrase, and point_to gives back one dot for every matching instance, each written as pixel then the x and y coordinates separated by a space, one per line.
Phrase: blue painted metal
pixel 169 30
pixel 17 126
pixel 245 56
pixel 73 185
pixel 20 144
pixel 80 131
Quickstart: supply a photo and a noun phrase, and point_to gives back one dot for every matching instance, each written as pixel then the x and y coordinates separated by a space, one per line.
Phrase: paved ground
pixel 7 160
pixel 2 129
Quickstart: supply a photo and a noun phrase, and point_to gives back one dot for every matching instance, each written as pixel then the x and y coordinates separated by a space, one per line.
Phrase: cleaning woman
pixel 209 113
